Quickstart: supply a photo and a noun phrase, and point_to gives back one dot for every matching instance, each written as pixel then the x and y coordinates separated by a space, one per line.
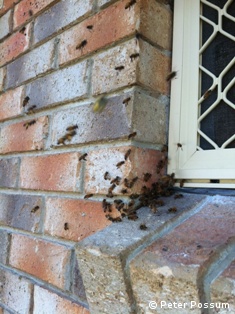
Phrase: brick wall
pixel 56 58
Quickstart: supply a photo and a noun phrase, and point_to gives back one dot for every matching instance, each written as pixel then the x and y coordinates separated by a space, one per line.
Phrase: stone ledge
pixel 104 257
pixel 180 266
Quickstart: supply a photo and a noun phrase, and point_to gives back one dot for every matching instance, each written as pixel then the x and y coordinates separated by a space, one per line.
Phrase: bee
pixel 124 191
pixel 72 127
pixel 33 210
pixel 125 101
pixel 112 187
pixel 134 196
pixel 25 101
pixel 27 124
pixel 182 183
pixel 207 94
pixel 116 219
pixel 172 210
pixel 133 181
pixel 100 104
pixel 83 157
pixel 120 163
pixel 127 183
pixel 130 4
pixel 106 206
pixel 70 135
pixel 110 194
pixel 127 154
pixel 171 75
pixel 147 176
pixel 132 216
pixel 144 189
pixel 66 226
pixel 179 146
pixel 23 30
pixel 118 201
pixel 160 166
pixel 164 149
pixel 153 207
pixel 31 109
pixel 30 12
pixel 90 27
pixel 61 140
pixel 134 56
pixel 120 206
pixel 81 45
pixel 143 227
pixel 119 68
pixel 107 176
pixel 116 180
pixel 131 135
pixel 178 196
pixel 88 196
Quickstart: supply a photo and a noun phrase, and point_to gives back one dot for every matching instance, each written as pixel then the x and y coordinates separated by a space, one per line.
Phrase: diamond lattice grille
pixel 216 104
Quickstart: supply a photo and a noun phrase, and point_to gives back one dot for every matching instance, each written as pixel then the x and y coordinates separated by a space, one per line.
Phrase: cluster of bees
pixel 148 196
pixel 70 133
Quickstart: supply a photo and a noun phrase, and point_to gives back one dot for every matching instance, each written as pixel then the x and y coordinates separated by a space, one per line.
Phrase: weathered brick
pixel 139 162
pixel 77 283
pixel 48 302
pixel 17 137
pixel 6 5
pixel 150 117
pixel 60 86
pixel 60 15
pixel 10 103
pixel 31 64
pixel 170 268
pixel 26 9
pixel 153 68
pixel 5 21
pixel 93 126
pixel 82 217
pixel 19 211
pixel 14 46
pixel 15 292
pixel 9 169
pixel 2 78
pixel 39 258
pixel 105 77
pixel 4 245
pixel 115 22
pixel 156 23
pixel 51 172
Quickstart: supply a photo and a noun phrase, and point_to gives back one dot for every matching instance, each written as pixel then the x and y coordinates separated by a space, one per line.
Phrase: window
pixel 202 113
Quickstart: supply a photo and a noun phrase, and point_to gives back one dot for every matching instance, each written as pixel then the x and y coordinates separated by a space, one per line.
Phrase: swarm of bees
pixel 149 196
pixel 71 132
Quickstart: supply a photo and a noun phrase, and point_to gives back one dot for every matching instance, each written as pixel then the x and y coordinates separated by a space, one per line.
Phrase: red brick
pixel 156 23
pixel 51 172
pixel 25 9
pixel 39 258
pixel 48 302
pixel 62 85
pixel 51 22
pixel 9 169
pixel 83 217
pixel 16 138
pixel 7 4
pixel 14 46
pixel 140 161
pixel 18 211
pixel 153 68
pixel 110 25
pixel 15 292
pixel 10 103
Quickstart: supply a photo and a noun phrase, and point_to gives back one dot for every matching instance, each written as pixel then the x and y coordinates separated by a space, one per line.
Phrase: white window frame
pixel 197 167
